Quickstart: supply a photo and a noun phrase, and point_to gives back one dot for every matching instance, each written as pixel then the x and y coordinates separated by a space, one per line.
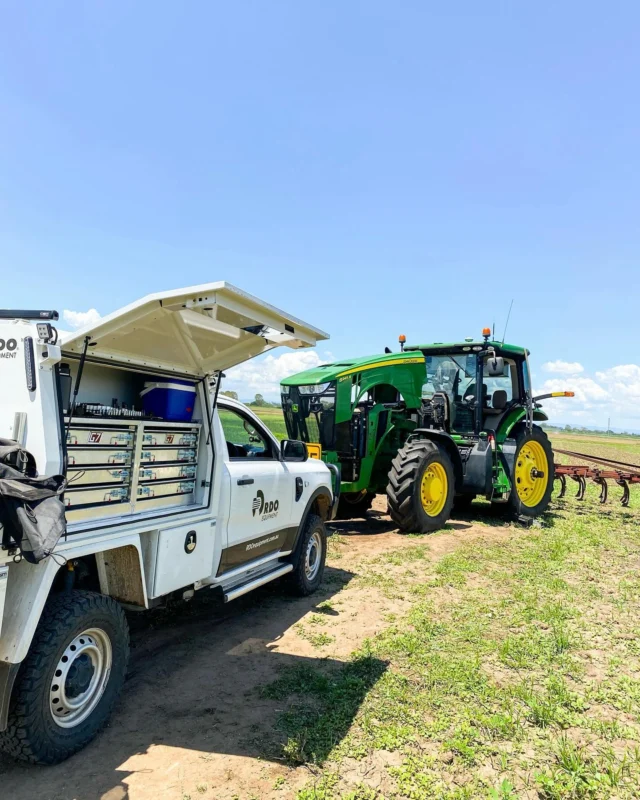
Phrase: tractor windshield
pixel 451 374
pixel 309 413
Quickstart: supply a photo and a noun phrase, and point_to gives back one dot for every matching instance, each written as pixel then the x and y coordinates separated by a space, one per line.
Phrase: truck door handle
pixel 245 481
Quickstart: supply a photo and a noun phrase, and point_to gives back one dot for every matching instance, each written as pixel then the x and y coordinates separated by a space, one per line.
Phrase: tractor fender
pixel 444 440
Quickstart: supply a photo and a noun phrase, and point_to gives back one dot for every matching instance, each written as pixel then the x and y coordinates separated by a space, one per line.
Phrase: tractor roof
pixel 347 366
pixel 465 347
pixel 413 354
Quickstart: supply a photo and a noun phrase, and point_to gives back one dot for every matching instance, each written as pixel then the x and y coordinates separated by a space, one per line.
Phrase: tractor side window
pixel 244 439
pixel 500 389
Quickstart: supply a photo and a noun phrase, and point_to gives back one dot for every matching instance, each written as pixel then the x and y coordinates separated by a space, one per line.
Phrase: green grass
pixel 273 419
pixel 515 672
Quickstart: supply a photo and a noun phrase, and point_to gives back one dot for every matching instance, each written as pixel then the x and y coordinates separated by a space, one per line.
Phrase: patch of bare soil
pixel 191 722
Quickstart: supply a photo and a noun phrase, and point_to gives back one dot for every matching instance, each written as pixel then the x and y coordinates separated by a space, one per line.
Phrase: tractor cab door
pixel 500 387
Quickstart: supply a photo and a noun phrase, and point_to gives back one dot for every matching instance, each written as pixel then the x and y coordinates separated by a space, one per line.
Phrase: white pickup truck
pixel 153 507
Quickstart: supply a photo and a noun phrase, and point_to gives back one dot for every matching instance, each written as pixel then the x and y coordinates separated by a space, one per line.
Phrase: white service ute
pixel 126 479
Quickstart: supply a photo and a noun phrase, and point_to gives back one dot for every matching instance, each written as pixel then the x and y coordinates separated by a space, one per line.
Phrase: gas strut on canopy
pixel 612 471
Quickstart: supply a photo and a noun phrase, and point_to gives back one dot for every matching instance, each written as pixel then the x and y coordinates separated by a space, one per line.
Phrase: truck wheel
pixel 354 505
pixel 309 569
pixel 70 680
pixel 421 487
pixel 532 479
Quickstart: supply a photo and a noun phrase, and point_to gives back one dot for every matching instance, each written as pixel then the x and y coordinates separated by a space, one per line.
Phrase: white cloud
pixel 80 319
pixel 264 375
pixel 612 393
pixel 563 367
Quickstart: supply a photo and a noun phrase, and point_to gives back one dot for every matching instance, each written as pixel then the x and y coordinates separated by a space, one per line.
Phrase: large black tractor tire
pixel 308 568
pixel 354 505
pixel 533 472
pixel 421 487
pixel 78 657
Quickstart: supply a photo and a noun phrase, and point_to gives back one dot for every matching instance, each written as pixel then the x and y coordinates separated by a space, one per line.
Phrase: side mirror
pixel 495 367
pixel 293 450
pixel 249 428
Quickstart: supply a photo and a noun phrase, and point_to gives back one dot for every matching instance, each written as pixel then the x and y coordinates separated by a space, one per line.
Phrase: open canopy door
pixel 194 331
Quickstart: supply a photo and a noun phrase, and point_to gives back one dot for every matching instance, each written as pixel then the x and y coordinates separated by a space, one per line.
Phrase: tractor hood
pixel 193 331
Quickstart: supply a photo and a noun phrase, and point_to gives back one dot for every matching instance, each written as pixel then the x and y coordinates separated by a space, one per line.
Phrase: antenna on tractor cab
pixel 504 335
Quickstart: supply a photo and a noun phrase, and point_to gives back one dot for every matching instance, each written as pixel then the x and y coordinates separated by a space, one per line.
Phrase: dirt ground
pixel 191 722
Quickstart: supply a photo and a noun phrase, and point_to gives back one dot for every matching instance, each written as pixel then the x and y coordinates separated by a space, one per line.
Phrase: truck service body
pixel 153 507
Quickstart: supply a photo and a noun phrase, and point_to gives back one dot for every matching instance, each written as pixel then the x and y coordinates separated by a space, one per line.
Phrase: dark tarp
pixel 31 511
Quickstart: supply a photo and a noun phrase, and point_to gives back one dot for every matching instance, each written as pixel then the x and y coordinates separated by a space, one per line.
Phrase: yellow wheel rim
pixel 434 488
pixel 532 473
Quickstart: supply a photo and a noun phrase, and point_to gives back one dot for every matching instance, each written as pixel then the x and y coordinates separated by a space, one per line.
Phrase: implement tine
pixel 582 486
pixel 604 488
pixel 625 492
pixel 563 485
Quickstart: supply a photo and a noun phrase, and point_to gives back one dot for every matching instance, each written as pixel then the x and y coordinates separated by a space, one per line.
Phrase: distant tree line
pixel 258 400
pixel 583 430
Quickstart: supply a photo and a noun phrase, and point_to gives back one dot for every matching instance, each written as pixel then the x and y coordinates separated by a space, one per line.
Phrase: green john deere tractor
pixel 432 426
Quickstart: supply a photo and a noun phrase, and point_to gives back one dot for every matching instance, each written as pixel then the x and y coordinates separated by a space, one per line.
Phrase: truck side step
pixel 244 588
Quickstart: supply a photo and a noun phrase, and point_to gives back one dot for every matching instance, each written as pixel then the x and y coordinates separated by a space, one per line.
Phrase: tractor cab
pixel 469 387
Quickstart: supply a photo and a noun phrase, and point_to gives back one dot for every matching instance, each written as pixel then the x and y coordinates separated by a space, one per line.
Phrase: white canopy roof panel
pixel 194 331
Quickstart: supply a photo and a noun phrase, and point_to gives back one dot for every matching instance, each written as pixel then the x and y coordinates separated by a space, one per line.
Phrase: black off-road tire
pixel 522 436
pixel 355 508
pixel 403 489
pixel 300 582
pixel 32 734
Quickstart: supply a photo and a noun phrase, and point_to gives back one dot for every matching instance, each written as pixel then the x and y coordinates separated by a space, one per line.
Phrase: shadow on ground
pixel 196 681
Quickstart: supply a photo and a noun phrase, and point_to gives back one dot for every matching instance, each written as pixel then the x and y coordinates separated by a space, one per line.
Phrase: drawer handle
pixel 245 481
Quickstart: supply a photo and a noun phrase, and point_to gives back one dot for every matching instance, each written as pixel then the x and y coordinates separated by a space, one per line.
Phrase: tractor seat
pixel 498 402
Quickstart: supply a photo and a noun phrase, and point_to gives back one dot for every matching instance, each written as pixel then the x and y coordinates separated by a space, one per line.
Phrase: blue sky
pixel 374 168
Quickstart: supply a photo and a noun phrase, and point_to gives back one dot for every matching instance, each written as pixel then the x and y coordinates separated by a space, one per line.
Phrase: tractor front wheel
pixel 421 487
pixel 532 478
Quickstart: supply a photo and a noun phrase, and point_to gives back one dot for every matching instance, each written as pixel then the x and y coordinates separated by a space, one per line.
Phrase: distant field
pixel 620 448
pixel 273 418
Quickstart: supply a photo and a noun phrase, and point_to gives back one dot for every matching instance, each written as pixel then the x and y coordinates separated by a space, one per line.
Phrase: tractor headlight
pixel 318 388
pixel 284 389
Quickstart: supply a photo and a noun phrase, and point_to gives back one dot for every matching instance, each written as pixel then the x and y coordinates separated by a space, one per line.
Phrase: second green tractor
pixel 433 426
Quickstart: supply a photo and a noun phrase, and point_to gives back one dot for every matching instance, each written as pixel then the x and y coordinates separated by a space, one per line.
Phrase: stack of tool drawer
pixel 167 466
pixel 116 468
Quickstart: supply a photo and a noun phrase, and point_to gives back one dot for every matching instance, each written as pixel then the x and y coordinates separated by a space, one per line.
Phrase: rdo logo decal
pixel 261 506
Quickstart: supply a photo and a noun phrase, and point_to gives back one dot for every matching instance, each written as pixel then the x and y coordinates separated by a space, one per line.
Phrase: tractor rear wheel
pixel 354 505
pixel 532 478
pixel 421 487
